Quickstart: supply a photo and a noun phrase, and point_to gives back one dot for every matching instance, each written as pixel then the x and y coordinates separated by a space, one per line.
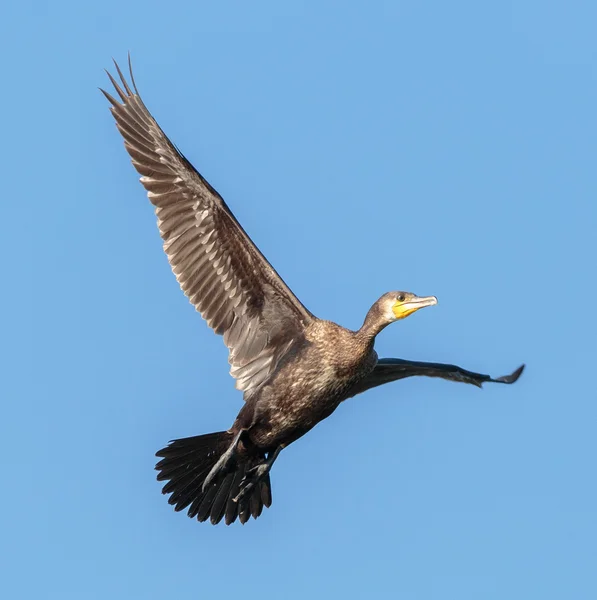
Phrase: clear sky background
pixel 445 148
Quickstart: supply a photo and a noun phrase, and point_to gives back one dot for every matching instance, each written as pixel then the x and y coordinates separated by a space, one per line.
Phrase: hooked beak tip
pixel 427 301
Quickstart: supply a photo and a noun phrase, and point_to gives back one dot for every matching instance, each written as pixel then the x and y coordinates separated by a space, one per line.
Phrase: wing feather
pixel 218 267
pixel 393 369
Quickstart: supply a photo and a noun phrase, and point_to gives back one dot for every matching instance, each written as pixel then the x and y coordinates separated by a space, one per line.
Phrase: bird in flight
pixel 293 368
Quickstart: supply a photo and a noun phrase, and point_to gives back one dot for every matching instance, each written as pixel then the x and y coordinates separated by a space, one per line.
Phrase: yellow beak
pixel 408 307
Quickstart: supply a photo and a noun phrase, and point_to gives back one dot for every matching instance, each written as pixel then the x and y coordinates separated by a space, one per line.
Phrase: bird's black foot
pixel 223 463
pixel 256 474
pixel 251 479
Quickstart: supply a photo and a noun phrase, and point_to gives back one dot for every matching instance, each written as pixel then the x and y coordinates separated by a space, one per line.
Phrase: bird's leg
pixel 223 462
pixel 256 474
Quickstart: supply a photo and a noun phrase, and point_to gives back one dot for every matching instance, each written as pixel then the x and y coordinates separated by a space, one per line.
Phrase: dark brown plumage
pixel 293 368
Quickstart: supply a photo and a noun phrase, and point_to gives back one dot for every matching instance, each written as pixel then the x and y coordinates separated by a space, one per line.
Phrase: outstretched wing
pixel 218 267
pixel 392 369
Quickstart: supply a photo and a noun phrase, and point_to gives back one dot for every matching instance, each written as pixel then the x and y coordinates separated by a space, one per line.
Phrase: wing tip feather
pixel 513 377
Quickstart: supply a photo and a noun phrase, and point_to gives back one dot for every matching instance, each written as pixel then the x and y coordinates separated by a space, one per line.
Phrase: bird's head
pixel 398 305
pixel 391 307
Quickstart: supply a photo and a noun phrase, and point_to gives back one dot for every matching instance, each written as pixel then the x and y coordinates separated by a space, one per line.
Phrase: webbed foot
pixel 256 474
pixel 223 462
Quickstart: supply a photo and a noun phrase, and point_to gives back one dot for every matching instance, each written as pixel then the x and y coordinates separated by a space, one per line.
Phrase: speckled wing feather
pixel 218 267
pixel 392 369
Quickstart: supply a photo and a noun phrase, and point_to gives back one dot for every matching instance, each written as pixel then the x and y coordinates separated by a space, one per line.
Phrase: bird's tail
pixel 186 463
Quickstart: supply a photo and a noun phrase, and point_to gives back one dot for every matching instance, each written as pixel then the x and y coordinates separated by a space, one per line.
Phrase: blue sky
pixel 442 148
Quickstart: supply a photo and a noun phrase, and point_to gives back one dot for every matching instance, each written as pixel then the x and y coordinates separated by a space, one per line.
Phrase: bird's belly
pixel 292 410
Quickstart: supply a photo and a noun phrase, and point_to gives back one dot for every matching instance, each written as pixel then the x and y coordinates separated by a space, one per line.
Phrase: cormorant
pixel 293 368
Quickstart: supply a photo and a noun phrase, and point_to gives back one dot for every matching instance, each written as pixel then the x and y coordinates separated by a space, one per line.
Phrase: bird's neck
pixel 373 324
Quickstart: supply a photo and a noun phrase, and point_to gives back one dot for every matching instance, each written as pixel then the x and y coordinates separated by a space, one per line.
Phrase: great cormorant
pixel 293 368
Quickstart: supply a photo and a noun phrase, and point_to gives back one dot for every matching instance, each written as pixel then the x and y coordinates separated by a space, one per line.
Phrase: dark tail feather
pixel 186 463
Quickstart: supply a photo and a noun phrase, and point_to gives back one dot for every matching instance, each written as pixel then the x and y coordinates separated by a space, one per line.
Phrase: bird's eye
pixel 400 297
